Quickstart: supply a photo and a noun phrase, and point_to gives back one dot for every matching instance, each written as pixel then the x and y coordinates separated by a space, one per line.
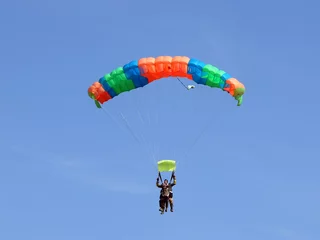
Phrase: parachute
pixel 166 166
pixel 139 73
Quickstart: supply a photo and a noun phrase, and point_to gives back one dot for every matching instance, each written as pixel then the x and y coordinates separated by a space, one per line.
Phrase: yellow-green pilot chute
pixel 166 166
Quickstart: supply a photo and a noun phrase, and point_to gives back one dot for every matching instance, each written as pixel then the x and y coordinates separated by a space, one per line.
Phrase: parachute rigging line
pixel 129 128
pixel 182 83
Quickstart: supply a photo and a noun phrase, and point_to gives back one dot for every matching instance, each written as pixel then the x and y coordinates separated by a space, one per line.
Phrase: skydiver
pixel 166 194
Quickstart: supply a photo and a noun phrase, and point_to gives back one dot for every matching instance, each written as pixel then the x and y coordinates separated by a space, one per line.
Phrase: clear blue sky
pixel 71 171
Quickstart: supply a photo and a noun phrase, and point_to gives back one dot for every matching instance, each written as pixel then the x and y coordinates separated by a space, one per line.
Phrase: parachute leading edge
pixel 141 72
pixel 166 166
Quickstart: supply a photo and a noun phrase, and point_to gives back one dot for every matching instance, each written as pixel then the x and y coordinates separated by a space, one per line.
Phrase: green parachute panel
pixel 213 76
pixel 118 81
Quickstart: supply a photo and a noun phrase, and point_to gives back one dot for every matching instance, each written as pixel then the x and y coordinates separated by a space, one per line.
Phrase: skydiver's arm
pixel 174 182
pixel 157 184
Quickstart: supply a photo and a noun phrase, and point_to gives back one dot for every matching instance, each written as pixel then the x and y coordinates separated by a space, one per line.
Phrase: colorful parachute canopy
pixel 166 165
pixel 139 73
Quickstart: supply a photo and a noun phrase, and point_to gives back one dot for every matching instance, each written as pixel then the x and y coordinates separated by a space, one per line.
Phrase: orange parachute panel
pixel 99 93
pixel 179 66
pixel 148 68
pixel 233 84
pixel 163 66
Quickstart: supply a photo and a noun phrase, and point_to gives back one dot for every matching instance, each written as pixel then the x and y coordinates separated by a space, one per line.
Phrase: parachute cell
pixel 139 73
pixel 166 166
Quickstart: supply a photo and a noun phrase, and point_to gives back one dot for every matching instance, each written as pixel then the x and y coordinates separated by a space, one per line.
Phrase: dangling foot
pixel 171 207
pixel 161 211
pixel 166 210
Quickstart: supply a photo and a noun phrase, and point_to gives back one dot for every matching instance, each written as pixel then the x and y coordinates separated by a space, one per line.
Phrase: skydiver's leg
pixel 161 204
pixel 171 201
pixel 166 204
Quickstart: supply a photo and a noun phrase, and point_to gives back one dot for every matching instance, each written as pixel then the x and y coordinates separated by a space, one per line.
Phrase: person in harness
pixel 166 194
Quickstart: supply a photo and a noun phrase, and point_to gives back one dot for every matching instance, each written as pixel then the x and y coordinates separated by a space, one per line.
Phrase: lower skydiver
pixel 166 194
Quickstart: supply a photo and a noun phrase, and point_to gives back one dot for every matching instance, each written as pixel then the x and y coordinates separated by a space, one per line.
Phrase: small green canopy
pixel 166 165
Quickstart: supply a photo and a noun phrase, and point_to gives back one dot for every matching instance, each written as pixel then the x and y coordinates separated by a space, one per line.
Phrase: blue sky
pixel 71 171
